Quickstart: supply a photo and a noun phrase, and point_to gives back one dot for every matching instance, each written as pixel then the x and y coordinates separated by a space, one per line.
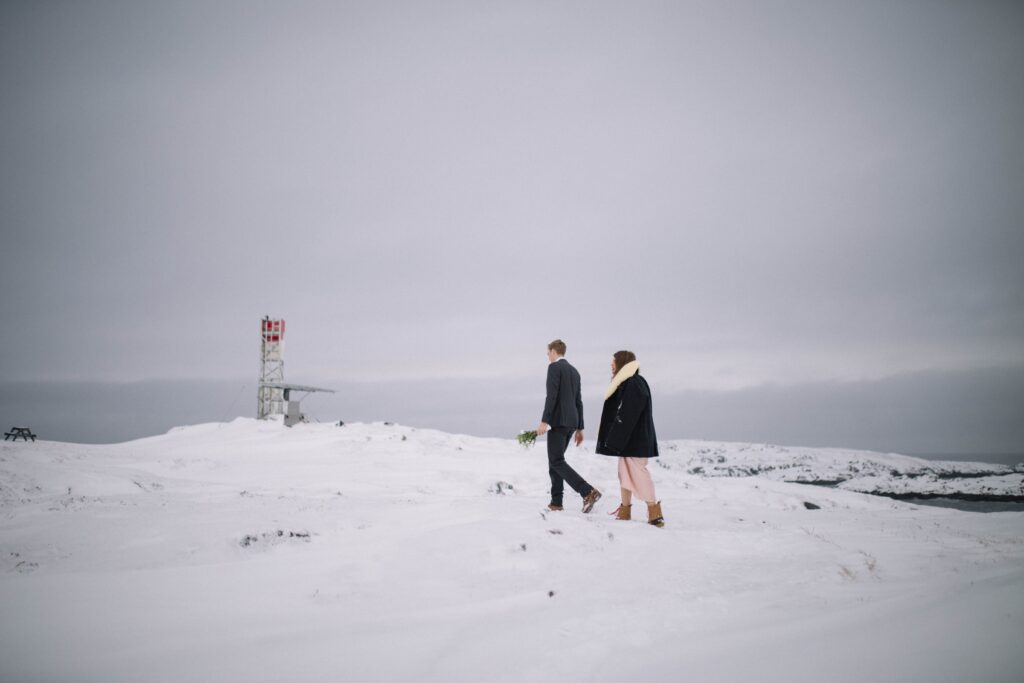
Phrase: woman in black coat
pixel 627 431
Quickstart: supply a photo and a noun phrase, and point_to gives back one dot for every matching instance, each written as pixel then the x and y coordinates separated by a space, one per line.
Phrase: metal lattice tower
pixel 270 396
pixel 274 397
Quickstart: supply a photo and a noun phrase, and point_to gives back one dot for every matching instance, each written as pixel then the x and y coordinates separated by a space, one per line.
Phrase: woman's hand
pixel 542 428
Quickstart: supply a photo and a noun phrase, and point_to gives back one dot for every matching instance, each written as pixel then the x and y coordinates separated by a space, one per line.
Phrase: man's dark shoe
pixel 554 508
pixel 591 499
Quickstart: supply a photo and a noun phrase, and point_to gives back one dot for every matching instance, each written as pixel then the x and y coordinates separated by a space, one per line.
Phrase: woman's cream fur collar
pixel 627 371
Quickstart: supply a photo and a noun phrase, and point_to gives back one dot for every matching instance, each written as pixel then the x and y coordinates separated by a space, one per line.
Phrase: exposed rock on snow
pixel 501 487
pixel 273 537
pixel 895 476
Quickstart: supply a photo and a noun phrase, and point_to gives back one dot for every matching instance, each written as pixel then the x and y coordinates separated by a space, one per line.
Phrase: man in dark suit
pixel 563 415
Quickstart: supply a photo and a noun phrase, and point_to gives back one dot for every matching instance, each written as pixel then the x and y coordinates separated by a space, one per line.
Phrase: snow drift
pixel 250 552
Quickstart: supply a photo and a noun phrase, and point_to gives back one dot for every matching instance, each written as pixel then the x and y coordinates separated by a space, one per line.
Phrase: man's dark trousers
pixel 558 468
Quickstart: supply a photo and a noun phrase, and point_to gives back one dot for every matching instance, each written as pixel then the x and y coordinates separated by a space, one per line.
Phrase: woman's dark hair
pixel 622 358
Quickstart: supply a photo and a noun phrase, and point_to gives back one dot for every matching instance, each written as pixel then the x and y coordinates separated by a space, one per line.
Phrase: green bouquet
pixel 527 439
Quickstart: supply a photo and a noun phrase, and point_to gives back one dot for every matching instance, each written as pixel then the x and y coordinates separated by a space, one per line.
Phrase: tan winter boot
pixel 654 515
pixel 590 499
pixel 622 512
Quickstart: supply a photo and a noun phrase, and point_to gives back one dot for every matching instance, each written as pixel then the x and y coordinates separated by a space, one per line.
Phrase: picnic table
pixel 23 432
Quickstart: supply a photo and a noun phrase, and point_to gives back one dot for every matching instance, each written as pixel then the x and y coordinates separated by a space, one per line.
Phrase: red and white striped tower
pixel 270 399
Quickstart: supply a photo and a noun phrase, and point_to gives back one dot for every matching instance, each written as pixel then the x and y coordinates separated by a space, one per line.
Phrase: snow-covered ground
pixel 250 552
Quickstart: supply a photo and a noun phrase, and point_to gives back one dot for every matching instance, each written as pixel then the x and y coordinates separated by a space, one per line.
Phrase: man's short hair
pixel 558 346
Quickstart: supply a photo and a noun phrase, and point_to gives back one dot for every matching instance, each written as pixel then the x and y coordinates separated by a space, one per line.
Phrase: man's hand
pixel 579 438
pixel 543 428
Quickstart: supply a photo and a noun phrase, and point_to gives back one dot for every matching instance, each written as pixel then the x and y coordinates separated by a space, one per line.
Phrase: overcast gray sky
pixel 761 199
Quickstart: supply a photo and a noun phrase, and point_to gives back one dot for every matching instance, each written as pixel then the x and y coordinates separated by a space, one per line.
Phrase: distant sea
pixel 968 505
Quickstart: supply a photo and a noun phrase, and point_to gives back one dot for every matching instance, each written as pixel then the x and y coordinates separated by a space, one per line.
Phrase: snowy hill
pixel 881 474
pixel 250 552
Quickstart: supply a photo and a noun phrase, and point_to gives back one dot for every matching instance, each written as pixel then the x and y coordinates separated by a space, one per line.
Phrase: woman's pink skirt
pixel 633 476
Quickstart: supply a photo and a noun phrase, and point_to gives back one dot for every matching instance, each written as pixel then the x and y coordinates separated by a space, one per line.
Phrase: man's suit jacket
pixel 563 406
